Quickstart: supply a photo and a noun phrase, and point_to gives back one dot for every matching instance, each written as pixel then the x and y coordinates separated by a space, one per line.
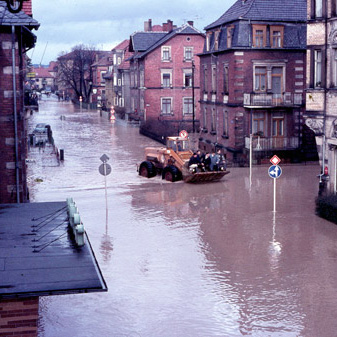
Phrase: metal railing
pixel 272 143
pixel 265 99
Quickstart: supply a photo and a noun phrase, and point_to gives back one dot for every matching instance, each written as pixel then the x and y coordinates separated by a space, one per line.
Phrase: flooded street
pixel 185 260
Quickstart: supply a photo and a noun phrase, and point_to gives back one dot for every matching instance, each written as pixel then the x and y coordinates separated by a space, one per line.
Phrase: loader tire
pixel 147 169
pixel 171 173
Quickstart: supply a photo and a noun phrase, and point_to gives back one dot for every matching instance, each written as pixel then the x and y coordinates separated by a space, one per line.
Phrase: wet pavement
pixel 181 259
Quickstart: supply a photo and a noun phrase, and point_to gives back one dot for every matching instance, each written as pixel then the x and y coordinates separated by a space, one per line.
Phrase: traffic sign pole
pixel 274 209
pixel 274 172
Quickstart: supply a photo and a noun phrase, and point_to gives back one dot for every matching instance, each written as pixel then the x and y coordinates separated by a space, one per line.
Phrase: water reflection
pixel 188 260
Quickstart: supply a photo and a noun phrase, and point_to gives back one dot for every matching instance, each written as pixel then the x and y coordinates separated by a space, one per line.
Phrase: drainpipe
pixel 15 120
pixel 325 93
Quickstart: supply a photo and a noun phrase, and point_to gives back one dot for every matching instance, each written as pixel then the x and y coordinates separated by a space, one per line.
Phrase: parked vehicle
pixel 171 162
pixel 41 133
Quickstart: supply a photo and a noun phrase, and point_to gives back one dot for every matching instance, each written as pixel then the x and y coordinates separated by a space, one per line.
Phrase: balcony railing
pixel 272 143
pixel 286 99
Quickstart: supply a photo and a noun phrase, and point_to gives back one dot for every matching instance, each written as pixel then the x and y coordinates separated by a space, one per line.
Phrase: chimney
pixel 190 23
pixel 169 25
pixel 148 26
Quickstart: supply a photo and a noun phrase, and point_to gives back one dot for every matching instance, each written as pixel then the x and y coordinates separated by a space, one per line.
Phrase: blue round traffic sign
pixel 274 171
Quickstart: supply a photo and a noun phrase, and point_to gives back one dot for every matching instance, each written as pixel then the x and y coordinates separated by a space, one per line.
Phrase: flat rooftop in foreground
pixel 38 256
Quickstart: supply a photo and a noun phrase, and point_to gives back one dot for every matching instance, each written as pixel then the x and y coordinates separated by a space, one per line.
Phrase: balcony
pixel 272 143
pixel 286 99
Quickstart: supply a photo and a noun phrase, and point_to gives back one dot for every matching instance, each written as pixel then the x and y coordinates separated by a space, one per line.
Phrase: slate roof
pixel 43 260
pixel 141 41
pixel 15 19
pixel 264 10
pixel 185 29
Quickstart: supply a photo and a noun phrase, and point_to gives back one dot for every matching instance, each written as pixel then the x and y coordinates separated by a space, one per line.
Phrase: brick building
pixel 17 28
pixel 163 84
pixel 99 69
pixel 321 98
pixel 252 82
pixel 118 80
pixel 43 79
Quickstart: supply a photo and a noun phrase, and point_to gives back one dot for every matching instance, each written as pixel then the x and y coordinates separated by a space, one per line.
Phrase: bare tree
pixel 75 70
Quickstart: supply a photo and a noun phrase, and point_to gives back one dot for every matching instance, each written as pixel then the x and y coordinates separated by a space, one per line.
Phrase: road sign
pixel 183 134
pixel 275 160
pixel 104 158
pixel 104 171
pixel 274 171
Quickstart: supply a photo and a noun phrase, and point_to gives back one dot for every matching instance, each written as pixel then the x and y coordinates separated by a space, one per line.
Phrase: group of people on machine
pixel 214 161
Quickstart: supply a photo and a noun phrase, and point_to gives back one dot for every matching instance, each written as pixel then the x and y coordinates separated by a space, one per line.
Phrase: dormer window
pixel 259 36
pixel 276 36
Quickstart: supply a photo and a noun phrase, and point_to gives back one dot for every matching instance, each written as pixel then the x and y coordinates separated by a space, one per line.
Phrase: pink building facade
pixel 164 78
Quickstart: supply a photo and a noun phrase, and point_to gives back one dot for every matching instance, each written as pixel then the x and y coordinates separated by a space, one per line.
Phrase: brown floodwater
pixel 181 259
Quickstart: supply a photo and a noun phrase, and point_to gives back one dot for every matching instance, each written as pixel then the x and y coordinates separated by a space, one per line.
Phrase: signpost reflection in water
pixel 182 259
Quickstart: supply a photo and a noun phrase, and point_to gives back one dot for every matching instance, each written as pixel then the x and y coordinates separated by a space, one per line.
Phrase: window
pixel 166 78
pixel 225 80
pixel 141 104
pixel 119 82
pixel 334 68
pixel 225 123
pixel 214 78
pixel 188 79
pixel 205 79
pixel 121 102
pixel 318 68
pixel 115 79
pixel 258 122
pixel 119 60
pixel 230 31
pixel 260 79
pixel 141 79
pixel 213 121
pixel 259 36
pixel 188 53
pixel 204 118
pixel 166 106
pixel 276 37
pixel 216 39
pixel 276 81
pixel 187 105
pixel 278 125
pixel 166 53
pixel 318 8
pixel 208 41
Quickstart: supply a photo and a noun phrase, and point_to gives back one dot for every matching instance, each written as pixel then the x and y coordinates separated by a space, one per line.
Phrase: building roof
pixel 16 19
pixel 42 72
pixel 126 61
pixel 141 41
pixel 121 46
pixel 183 30
pixel 104 59
pixel 38 257
pixel 264 10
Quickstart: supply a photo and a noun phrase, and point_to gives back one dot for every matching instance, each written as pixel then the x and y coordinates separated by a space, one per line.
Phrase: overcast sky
pixel 104 24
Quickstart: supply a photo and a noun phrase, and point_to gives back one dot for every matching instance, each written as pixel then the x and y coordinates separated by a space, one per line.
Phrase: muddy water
pixel 186 260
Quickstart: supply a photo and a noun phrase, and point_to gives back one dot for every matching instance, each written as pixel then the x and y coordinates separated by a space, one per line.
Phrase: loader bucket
pixel 202 177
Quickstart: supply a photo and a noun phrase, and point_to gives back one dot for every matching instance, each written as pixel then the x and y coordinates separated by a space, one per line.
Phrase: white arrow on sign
pixel 274 171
